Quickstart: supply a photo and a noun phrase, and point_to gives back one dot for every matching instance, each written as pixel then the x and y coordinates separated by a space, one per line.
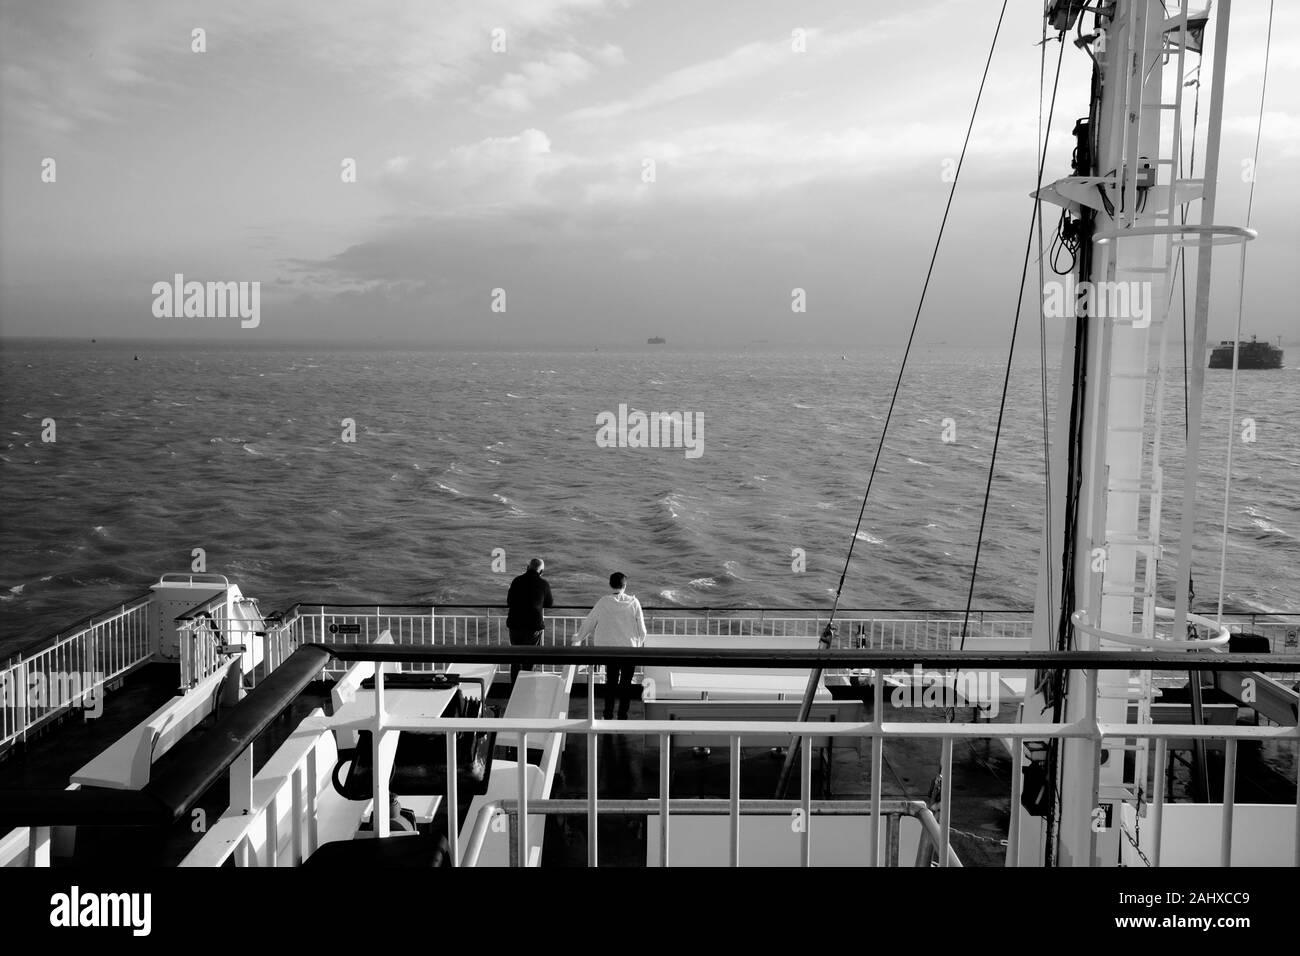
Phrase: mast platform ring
pixel 1080 620
pixel 1182 234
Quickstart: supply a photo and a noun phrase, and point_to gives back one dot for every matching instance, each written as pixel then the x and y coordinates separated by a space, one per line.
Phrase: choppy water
pixel 240 452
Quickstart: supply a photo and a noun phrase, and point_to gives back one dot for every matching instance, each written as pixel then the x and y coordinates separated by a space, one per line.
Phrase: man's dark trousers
pixel 618 678
pixel 525 638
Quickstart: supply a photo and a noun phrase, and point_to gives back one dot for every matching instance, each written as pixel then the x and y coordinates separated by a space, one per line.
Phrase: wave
pixel 1262 522
pixel 703 583
pixel 868 538
pixel 1263 525
pixel 450 490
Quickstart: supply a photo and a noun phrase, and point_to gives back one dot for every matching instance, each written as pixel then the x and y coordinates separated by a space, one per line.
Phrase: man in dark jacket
pixel 529 594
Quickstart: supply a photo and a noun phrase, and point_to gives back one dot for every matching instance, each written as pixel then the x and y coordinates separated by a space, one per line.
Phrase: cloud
pixel 542 79
pixel 493 173
pixel 1279 134
pixel 74 63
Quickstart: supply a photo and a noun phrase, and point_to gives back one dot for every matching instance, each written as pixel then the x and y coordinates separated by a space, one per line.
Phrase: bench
pixel 735 683
pixel 536 696
pixel 504 785
pixel 127 764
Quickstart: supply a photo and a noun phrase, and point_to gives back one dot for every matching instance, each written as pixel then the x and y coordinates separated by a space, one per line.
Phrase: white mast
pixel 1130 194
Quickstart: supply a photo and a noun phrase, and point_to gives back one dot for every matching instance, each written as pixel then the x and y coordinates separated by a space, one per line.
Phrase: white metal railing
pixel 918 630
pixel 284 822
pixel 298 789
pixel 863 629
pixel 892 810
pixel 204 632
pixel 72 671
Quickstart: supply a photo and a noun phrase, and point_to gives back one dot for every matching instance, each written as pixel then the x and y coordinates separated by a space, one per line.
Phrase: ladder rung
pixel 1160 106
pixel 1163 161
pixel 1143 270
pixel 1125 590
pixel 1128 539
pixel 1135 487
pixel 1127 429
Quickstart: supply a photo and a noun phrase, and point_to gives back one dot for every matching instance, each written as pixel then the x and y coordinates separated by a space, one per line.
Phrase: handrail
pixel 797 657
pixel 489 605
pixel 81 624
pixel 1080 620
pixel 192 579
pixel 704 609
pixel 110 644
pixel 682 806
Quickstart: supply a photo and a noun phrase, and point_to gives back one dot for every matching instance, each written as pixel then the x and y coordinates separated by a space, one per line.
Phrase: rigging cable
pixel 1236 342
pixel 805 707
pixel 1042 320
pixel 1006 380
pixel 934 255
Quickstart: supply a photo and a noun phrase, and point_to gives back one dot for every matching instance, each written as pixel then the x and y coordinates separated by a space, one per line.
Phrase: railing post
pixel 523 798
pixel 593 856
pixel 1017 791
pixel 877 767
pixel 313 825
pixel 891 838
pixel 734 772
pixel 295 817
pixel 1229 799
pixel 665 777
pixel 1296 763
pixel 23 700
pixel 805 802
pixel 453 797
pixel 241 782
pixel 945 823
pixel 272 817
pixel 1158 808
pixel 381 813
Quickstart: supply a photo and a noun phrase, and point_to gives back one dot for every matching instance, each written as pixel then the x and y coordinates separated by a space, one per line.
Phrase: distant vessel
pixel 1250 354
pixel 655 340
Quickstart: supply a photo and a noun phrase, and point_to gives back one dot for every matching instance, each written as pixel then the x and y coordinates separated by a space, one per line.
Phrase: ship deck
pixel 629 770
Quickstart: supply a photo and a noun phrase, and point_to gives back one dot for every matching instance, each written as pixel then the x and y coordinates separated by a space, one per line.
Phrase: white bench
pixel 127 764
pixel 734 683
pixel 504 785
pixel 536 695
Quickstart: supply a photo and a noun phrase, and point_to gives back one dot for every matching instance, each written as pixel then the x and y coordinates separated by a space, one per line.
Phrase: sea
pixel 408 476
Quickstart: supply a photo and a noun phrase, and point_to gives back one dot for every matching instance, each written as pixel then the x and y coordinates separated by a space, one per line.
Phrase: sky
pixel 506 145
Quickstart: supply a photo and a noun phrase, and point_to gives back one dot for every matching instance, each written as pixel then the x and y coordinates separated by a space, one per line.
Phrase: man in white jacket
pixel 615 621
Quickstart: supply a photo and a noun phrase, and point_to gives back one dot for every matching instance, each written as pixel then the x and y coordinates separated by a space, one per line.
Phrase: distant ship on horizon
pixel 1250 355
pixel 656 340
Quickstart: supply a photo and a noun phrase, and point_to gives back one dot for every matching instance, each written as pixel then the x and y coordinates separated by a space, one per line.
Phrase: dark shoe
pixel 608 715
pixel 622 715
